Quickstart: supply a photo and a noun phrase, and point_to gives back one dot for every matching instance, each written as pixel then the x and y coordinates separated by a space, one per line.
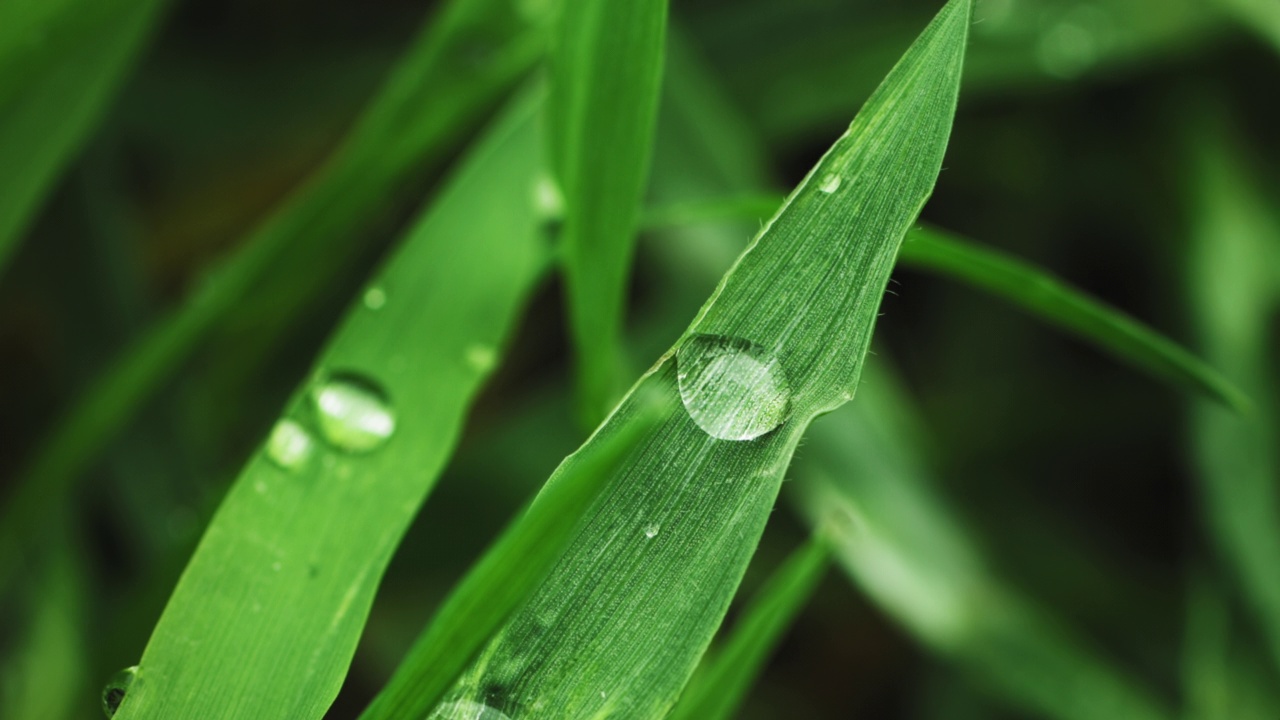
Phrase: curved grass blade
pixel 925 542
pixel 899 542
pixel 620 623
pixel 1235 296
pixel 1022 284
pixel 425 102
pixel 716 693
pixel 502 579
pixel 1037 291
pixel 606 74
pixel 1262 16
pixel 266 616
pixel 60 64
pixel 44 671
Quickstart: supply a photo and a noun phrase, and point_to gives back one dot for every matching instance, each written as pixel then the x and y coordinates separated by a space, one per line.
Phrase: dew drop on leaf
pixel 651 530
pixel 830 183
pixel 114 691
pixel 352 412
pixel 290 445
pixel 732 388
pixel 375 298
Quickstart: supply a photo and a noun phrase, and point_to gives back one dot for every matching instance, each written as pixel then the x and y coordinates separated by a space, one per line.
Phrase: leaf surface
pixel 264 620
pixel 620 623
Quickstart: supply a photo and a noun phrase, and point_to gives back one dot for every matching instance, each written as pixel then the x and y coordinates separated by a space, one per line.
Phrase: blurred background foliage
pixel 1119 143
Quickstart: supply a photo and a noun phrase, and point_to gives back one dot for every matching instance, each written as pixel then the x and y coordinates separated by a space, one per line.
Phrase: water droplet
pixel 548 200
pixel 732 388
pixel 116 688
pixel 466 710
pixel 481 357
pixel 290 445
pixel 651 530
pixel 375 298
pixel 352 413
pixel 830 183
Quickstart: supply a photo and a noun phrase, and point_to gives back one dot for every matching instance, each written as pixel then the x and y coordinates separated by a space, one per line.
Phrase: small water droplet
pixel 352 413
pixel 116 688
pixel 466 710
pixel 548 200
pixel 732 388
pixel 651 530
pixel 290 445
pixel 375 298
pixel 481 358
pixel 830 183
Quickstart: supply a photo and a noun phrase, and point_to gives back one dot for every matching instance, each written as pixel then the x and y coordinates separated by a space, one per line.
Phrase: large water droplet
pixel 116 688
pixel 290 445
pixel 830 183
pixel 466 710
pixel 352 413
pixel 651 530
pixel 732 388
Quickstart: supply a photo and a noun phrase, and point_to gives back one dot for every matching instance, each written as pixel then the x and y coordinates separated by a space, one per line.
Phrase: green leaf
pixel 266 616
pixel 61 62
pixel 1069 309
pixel 1263 16
pixel 424 104
pixel 1234 229
pixel 45 675
pixel 726 678
pixel 502 579
pixel 606 74
pixel 899 541
pixel 621 622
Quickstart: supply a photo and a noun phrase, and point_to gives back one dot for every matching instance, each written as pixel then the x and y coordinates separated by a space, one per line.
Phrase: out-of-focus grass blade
pixel 266 616
pixel 1263 16
pixel 60 64
pixel 606 73
pixel 622 620
pixel 900 543
pixel 716 693
pixel 694 212
pixel 44 677
pixel 1218 679
pixel 1234 291
pixel 824 57
pixel 1050 299
pixel 1021 283
pixel 502 579
pixel 435 91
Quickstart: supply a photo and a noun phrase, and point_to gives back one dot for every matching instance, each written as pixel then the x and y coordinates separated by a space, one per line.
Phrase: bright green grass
pixel 607 596
pixel 278 591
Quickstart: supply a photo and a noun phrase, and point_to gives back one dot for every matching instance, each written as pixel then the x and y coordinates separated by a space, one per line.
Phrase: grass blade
pixel 606 74
pixel 266 616
pixel 502 579
pixel 60 64
pixel 900 543
pixel 621 622
pixel 1235 295
pixel 1059 304
pixel 424 103
pixel 717 693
